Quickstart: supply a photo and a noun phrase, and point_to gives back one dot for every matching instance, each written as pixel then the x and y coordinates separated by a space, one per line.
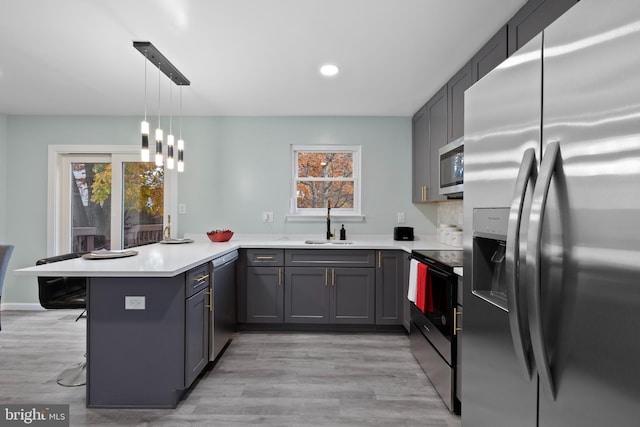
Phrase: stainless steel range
pixel 433 319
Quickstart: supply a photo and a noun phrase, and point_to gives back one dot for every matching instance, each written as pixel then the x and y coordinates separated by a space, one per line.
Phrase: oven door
pixel 436 322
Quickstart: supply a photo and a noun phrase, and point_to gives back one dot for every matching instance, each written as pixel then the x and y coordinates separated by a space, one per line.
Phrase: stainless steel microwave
pixel 452 169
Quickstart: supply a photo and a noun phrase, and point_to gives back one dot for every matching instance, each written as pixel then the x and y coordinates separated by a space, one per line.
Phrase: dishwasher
pixel 223 315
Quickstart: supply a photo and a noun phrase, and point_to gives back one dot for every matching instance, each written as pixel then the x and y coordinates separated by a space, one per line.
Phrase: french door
pixel 106 200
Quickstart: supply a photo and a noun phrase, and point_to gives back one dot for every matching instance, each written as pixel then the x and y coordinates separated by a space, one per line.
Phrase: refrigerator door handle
pixel 548 167
pixel 519 332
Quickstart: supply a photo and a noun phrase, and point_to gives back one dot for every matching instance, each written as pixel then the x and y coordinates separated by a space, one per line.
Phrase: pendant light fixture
pixel 159 133
pixel 152 55
pixel 180 140
pixel 170 136
pixel 144 126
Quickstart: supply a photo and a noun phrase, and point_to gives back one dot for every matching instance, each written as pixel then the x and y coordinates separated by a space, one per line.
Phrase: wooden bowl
pixel 223 236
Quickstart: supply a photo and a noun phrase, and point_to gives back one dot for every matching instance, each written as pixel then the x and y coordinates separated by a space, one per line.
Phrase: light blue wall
pixel 3 178
pixel 236 168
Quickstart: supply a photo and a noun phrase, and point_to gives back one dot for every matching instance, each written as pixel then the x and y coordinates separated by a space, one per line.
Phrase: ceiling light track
pixel 155 57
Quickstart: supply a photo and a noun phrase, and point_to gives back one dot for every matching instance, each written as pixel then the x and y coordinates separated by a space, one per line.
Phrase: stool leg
pixel 74 376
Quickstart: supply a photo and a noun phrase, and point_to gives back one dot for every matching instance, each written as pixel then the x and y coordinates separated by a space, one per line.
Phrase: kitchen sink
pixel 328 242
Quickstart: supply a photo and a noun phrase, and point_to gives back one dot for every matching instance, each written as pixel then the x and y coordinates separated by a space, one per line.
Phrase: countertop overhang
pixel 168 260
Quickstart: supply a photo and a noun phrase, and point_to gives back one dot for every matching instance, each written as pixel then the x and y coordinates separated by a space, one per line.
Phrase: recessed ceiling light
pixel 329 70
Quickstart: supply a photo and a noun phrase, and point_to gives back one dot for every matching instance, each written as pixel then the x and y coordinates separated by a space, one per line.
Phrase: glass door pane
pixel 143 203
pixel 90 206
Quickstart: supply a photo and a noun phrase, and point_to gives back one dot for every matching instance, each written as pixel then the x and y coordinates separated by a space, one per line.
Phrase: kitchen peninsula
pixel 147 336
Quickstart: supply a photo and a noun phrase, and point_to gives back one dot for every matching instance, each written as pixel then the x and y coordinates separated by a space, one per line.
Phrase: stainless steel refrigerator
pixel 552 228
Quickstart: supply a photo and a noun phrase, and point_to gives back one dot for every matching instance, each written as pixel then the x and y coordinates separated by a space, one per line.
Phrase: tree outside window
pixel 326 175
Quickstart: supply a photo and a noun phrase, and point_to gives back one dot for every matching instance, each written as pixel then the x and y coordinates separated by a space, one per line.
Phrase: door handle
pixel 280 276
pixel 519 334
pixel 456 313
pixel 210 306
pixel 548 167
pixel 326 277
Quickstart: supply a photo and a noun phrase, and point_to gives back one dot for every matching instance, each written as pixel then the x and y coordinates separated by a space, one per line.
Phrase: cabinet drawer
pixel 198 278
pixel 330 257
pixel 265 257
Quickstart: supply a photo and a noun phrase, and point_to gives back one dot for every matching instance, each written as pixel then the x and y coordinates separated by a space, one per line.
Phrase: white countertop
pixel 168 260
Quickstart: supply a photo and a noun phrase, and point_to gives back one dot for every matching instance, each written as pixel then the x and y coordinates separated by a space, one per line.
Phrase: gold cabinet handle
pixel 200 279
pixel 210 306
pixel 333 276
pixel 379 259
pixel 265 257
pixel 326 277
pixel 455 321
pixel 280 276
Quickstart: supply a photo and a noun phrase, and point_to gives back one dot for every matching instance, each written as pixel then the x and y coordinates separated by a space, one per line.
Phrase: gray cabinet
pixel 197 313
pixel 265 294
pixel 490 55
pixel 307 295
pixel 437 109
pixel 390 287
pixel 456 87
pixel 532 18
pixel 420 155
pixel 430 131
pixel 264 281
pixel 406 304
pixel 330 286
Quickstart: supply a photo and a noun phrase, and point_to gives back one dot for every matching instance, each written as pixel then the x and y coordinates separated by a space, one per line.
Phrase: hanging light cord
pixel 170 104
pixel 180 112
pixel 145 85
pixel 159 72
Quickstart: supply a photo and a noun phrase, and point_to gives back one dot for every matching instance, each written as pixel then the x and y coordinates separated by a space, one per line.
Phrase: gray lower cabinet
pixel 147 338
pixel 197 313
pixel 196 335
pixel 307 295
pixel 390 286
pixel 329 295
pixel 265 294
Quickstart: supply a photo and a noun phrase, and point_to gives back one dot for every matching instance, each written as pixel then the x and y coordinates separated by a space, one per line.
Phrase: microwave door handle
pixel 519 335
pixel 548 167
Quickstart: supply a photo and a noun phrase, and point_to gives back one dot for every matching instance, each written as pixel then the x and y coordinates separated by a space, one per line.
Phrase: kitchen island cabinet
pixel 147 338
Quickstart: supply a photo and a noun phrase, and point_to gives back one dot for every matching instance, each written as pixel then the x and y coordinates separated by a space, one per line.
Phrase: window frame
pixel 57 197
pixel 354 213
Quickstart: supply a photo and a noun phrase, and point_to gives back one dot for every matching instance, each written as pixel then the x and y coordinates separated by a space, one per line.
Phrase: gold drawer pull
pixel 265 257
pixel 200 279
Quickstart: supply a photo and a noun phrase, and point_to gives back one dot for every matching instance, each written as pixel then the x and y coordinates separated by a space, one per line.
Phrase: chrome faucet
pixel 329 233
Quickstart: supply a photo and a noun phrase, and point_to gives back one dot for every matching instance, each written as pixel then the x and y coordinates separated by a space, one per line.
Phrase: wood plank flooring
pixel 266 379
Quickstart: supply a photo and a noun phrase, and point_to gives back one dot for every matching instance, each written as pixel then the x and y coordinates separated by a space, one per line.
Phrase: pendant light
pixel 170 136
pixel 180 140
pixel 152 55
pixel 144 125
pixel 159 133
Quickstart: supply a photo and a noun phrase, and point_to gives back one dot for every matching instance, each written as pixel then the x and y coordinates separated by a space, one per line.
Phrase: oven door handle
pixel 517 316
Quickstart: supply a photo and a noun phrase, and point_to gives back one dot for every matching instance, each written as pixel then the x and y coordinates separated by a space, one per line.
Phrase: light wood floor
pixel 266 379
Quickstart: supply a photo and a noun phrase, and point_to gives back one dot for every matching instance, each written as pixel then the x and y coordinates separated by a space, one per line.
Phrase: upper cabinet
pixel 429 134
pixel 532 18
pixel 490 55
pixel 455 88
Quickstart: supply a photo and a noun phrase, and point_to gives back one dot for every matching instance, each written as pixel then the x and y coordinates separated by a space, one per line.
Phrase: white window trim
pixel 315 214
pixel 57 155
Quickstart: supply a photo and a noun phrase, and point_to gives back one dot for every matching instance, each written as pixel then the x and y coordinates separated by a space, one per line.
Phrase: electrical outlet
pixel 267 216
pixel 401 218
pixel 134 303
pixel 182 209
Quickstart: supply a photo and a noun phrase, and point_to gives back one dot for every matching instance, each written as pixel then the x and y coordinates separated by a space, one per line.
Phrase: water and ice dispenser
pixel 489 246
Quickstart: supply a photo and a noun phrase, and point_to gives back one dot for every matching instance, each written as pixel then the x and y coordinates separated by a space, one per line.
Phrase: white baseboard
pixel 17 306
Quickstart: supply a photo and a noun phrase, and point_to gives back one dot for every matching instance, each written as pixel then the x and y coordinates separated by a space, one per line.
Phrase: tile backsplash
pixel 450 213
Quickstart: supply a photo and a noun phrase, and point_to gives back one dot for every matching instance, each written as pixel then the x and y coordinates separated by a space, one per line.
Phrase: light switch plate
pixel 182 209
pixel 401 218
pixel 134 303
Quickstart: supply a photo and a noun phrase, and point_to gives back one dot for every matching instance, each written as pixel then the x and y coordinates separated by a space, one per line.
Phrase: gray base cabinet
pixel 352 296
pixel 390 285
pixel 265 295
pixel 306 295
pixel 145 355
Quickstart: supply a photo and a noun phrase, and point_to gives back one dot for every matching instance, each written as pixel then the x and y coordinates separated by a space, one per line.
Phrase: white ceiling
pixel 243 57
